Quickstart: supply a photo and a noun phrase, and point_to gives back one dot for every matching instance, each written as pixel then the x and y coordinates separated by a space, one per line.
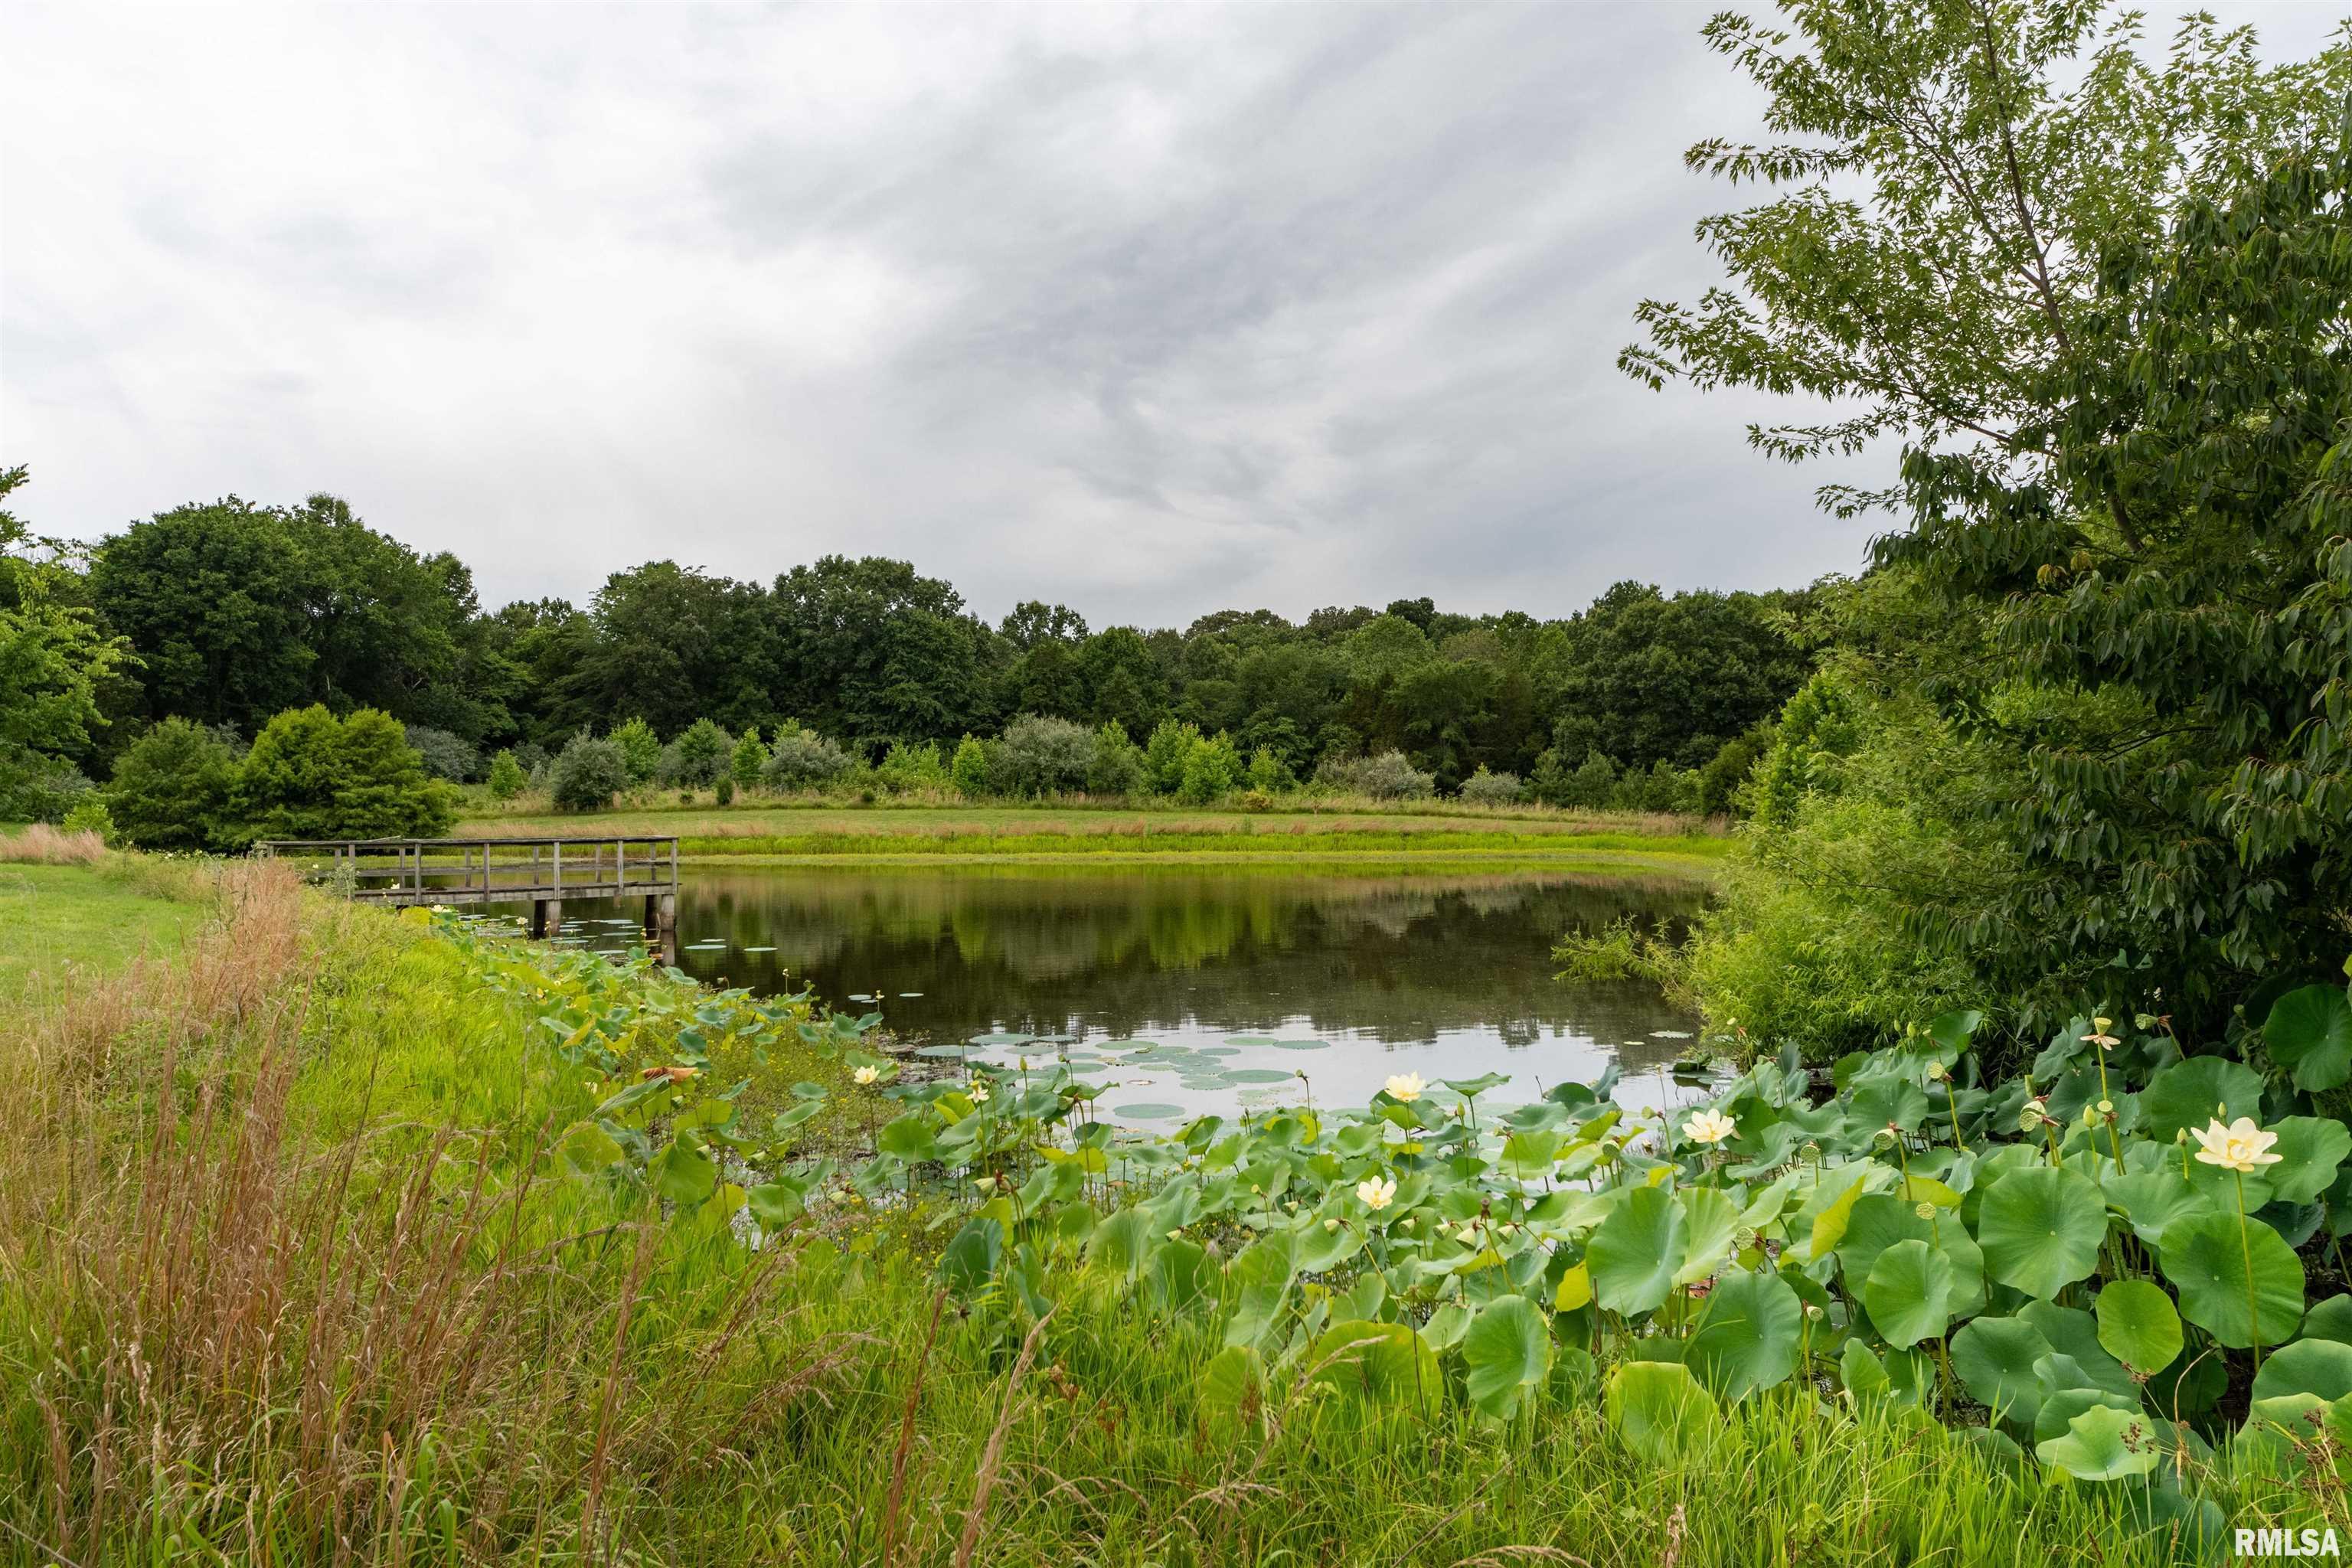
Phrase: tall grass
pixel 42 844
pixel 285 1277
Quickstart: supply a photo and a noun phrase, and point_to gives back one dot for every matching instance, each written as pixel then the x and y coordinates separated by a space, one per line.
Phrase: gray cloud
pixel 1154 310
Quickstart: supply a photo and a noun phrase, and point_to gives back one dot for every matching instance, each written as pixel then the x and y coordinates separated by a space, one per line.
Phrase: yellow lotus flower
pixel 2099 1036
pixel 1404 1085
pixel 2239 1146
pixel 1710 1127
pixel 866 1075
pixel 980 1094
pixel 1376 1193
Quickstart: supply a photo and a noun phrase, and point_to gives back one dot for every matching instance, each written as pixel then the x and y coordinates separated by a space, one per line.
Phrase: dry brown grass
pixel 42 844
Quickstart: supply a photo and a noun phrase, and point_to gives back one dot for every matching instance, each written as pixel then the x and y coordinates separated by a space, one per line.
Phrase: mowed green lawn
pixel 81 916
pixel 794 832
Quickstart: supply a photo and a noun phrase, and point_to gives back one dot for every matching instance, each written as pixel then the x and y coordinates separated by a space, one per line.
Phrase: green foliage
pixel 912 769
pixel 171 789
pixel 508 779
pixel 1484 788
pixel 587 773
pixel 1389 777
pixel 90 816
pixel 699 756
pixel 310 775
pixel 1270 773
pixel 1041 756
pixel 802 758
pixel 1165 754
pixel 641 749
pixel 968 770
pixel 1118 767
pixel 749 760
pixel 1211 768
pixel 446 756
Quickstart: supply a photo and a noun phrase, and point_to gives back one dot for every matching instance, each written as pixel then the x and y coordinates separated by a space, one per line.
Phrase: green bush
pixel 90 815
pixel 1117 766
pixel 802 759
pixel 1042 756
pixel 171 789
pixel 312 776
pixel 969 769
pixel 35 788
pixel 587 773
pixel 699 756
pixel 1389 777
pixel 1268 773
pixel 507 777
pixel 1484 788
pixel 641 749
pixel 446 756
pixel 1211 768
pixel 1165 753
pixel 749 760
pixel 724 792
pixel 912 769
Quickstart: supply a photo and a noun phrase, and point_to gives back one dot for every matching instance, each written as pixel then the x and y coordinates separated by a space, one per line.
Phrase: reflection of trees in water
pixel 1126 951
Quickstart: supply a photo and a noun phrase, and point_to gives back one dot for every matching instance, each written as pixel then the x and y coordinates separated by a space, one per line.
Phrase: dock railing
pixel 541 871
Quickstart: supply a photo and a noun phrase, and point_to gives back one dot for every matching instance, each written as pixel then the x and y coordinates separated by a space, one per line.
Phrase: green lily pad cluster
pixel 2078 1265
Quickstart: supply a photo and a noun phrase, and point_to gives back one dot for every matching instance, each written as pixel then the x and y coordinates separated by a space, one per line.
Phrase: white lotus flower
pixel 1376 1193
pixel 866 1075
pixel 980 1094
pixel 2239 1146
pixel 1710 1127
pixel 1404 1085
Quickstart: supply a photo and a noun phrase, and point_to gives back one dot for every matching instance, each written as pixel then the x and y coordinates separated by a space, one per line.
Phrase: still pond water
pixel 1245 977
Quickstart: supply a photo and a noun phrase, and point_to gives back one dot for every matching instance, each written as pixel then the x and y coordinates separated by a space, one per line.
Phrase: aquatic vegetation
pixel 2040 1261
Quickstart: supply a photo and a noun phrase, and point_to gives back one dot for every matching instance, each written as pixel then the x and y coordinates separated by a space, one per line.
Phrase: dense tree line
pixel 230 613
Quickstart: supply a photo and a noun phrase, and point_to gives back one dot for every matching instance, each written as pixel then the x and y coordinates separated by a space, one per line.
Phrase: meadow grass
pixel 60 911
pixel 287 1276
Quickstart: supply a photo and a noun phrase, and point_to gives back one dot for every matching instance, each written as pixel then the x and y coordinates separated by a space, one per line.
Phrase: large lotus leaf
pixel 1863 1373
pixel 2310 1149
pixel 1232 1390
pixel 2276 1439
pixel 1749 1335
pixel 2103 1445
pixel 1506 1353
pixel 1121 1241
pixel 2208 1260
pixel 1885 1100
pixel 2330 1319
pixel 1261 1276
pixel 1635 1253
pixel 2074 1334
pixel 969 1260
pixel 2309 1032
pixel 2041 1229
pixel 1830 1222
pixel 2151 1200
pixel 2059 1409
pixel 1386 1364
pixel 1878 1222
pixel 2307 1366
pixel 1909 1292
pixel 1994 1358
pixel 1710 1220
pixel 2184 1094
pixel 683 1171
pixel 2138 1324
pixel 1659 1409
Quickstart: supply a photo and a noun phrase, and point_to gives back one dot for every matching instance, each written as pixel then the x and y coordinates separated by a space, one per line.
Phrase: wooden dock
pixel 543 872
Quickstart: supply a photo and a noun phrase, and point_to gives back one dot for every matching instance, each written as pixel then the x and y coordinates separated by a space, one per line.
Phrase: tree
pixel 1117 768
pixel 312 776
pixel 749 760
pixel 2100 303
pixel 170 788
pixel 1045 756
pixel 968 768
pixel 872 648
pixel 446 756
pixel 802 759
pixel 699 756
pixel 1165 753
pixel 670 644
pixel 641 749
pixel 587 773
pixel 1033 622
pixel 508 779
pixel 1212 769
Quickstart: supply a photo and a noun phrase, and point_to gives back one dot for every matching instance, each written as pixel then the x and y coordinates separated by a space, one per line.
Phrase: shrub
pixel 1721 783
pixel 909 769
pixel 1164 754
pixel 1044 756
pixel 90 815
pixel 1589 785
pixel 725 792
pixel 507 777
pixel 1484 788
pixel 1268 773
pixel 35 788
pixel 699 755
pixel 446 756
pixel 802 759
pixel 641 749
pixel 312 776
pixel 969 769
pixel 749 760
pixel 170 788
pixel 1212 769
pixel 1117 766
pixel 1664 787
pixel 1389 777
pixel 587 773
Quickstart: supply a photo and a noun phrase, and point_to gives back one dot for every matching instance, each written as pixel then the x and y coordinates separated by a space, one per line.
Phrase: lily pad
pixel 1147 1110
pixel 941 1051
pixel 1256 1075
pixel 1302 1045
pixel 1001 1040
pixel 2139 1326
pixel 1506 1352
pixel 1748 1336
pixel 1252 1040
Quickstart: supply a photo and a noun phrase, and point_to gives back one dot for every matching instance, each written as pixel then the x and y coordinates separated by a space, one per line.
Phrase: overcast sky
pixel 1154 310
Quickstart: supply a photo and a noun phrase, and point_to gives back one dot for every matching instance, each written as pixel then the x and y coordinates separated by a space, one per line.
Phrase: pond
pixel 1254 985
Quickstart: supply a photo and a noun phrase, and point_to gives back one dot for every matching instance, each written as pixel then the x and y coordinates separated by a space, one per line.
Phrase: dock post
pixel 546 918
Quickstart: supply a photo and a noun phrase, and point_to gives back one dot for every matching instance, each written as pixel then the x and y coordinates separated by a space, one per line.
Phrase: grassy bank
pixel 969 833
pixel 291 1271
